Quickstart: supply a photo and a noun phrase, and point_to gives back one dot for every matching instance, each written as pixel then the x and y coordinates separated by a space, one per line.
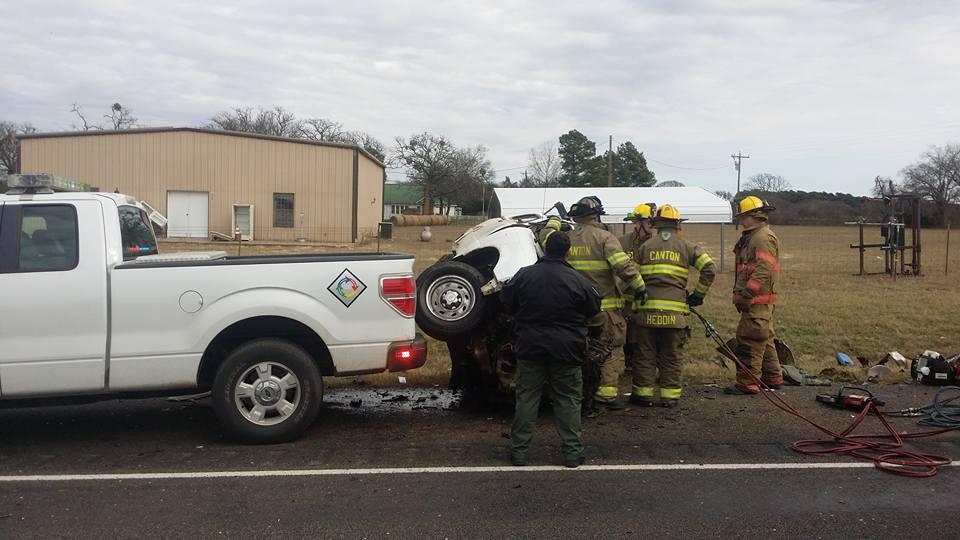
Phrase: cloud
pixel 828 94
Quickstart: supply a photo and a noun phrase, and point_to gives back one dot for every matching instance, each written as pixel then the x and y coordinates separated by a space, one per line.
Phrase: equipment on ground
pixel 933 369
pixel 844 399
pixel 884 450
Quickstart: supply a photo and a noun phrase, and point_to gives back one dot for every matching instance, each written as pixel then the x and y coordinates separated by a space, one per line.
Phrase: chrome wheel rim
pixel 450 298
pixel 267 394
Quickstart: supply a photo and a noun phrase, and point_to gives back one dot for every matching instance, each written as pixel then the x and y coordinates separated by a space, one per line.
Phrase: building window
pixel 283 210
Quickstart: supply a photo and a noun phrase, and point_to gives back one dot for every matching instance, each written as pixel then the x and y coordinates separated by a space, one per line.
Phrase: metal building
pixel 210 181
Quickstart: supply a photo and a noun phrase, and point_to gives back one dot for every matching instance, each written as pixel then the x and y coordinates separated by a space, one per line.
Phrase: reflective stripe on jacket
pixel 665 263
pixel 596 253
pixel 758 265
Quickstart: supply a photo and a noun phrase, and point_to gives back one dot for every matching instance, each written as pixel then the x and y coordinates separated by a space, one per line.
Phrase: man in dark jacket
pixel 551 304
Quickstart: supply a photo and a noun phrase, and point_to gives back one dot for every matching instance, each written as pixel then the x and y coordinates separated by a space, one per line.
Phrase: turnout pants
pixel 659 350
pixel 601 371
pixel 755 346
pixel 566 387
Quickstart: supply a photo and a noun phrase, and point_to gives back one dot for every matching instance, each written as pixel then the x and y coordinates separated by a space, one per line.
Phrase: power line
pixel 686 168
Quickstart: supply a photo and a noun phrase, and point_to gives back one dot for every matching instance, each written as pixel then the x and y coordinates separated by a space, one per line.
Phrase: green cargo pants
pixel 566 387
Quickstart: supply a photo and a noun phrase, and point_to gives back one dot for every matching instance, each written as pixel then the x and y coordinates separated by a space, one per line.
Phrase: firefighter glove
pixel 694 299
pixel 639 297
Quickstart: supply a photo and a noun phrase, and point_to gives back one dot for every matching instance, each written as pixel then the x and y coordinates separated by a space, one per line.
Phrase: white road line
pixel 426 470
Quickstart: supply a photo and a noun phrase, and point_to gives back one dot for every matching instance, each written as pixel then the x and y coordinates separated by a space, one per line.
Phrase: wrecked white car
pixel 458 298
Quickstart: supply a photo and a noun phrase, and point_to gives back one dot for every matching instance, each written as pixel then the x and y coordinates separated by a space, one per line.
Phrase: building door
pixel 243 218
pixel 187 214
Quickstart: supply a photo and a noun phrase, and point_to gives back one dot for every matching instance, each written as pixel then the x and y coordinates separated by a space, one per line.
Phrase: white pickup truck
pixel 89 308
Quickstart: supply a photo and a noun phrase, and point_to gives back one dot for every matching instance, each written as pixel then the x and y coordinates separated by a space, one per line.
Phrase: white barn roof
pixel 695 204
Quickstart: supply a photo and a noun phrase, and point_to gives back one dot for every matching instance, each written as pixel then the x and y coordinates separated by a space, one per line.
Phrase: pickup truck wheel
pixel 267 391
pixel 449 300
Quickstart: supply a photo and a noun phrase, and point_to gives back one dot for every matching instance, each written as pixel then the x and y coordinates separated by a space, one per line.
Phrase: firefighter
pixel 597 254
pixel 755 296
pixel 642 219
pixel 662 330
pixel 551 304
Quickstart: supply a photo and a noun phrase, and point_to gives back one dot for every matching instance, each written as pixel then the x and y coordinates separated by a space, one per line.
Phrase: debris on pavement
pixel 838 375
pixel 843 359
pixel 784 353
pixel 895 358
pixel 795 376
pixel 878 372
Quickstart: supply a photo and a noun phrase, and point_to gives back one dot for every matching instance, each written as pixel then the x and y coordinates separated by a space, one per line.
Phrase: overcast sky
pixel 828 94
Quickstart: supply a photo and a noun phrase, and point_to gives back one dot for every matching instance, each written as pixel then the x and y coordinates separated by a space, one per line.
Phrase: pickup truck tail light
pixel 406 355
pixel 401 293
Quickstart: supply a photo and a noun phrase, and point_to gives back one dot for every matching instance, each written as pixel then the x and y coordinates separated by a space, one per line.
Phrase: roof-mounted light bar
pixel 30 184
pixel 34 184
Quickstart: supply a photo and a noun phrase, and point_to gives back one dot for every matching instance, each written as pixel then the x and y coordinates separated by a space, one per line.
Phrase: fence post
pixel 723 252
pixel 946 262
pixel 862 249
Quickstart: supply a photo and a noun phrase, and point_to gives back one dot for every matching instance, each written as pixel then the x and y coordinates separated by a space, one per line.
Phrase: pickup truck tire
pixel 449 300
pixel 267 391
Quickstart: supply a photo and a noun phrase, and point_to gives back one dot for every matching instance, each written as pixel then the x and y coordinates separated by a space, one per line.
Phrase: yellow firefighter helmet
pixel 641 212
pixel 755 204
pixel 667 215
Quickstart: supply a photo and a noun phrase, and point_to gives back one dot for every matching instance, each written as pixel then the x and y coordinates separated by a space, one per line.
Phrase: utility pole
pixel 737 158
pixel 610 164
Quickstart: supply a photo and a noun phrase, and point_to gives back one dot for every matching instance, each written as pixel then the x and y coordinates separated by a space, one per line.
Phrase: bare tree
pixel 885 187
pixel 670 183
pixel 321 129
pixel 120 117
pixel 429 160
pixel 936 176
pixel 449 175
pixel 545 165
pixel 10 145
pixel 280 122
pixel 724 194
pixel 766 182
pixel 367 142
pixel 472 172
pixel 85 125
pixel 117 117
pixel 276 121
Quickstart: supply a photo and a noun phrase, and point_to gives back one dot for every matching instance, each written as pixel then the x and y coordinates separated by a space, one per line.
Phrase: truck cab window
pixel 48 238
pixel 136 233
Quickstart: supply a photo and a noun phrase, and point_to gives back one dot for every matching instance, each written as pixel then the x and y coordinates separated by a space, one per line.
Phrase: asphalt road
pixel 401 429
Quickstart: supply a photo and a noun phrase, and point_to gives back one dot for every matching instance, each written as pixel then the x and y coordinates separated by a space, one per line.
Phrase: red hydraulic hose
pixel 884 450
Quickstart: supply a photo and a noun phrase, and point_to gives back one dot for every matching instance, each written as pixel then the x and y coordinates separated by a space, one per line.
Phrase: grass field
pixel 824 307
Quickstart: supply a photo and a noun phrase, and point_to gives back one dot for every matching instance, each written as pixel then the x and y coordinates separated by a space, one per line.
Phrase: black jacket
pixel 551 303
